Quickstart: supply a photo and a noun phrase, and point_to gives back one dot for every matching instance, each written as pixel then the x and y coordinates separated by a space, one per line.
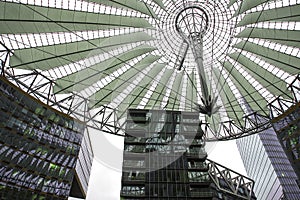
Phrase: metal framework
pixel 107 116
pixel 4 54
pixel 232 182
pixel 280 105
pixel 134 56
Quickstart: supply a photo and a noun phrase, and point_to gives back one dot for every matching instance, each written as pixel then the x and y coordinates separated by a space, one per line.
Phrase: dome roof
pixel 94 59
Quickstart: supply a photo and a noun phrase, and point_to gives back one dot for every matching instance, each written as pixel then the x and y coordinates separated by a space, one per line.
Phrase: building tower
pixel 164 158
pixel 83 168
pixel 44 154
pixel 267 164
pixel 271 158
pixel 156 163
pixel 285 116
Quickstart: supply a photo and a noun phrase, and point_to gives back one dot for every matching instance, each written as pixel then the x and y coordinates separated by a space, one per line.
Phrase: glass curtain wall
pixel 38 147
pixel 164 156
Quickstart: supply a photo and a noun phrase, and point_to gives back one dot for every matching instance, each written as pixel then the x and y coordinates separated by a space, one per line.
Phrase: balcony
pixel 204 194
pixel 199 155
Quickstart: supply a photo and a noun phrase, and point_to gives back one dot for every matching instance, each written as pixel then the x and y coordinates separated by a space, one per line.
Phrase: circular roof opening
pixel 191 21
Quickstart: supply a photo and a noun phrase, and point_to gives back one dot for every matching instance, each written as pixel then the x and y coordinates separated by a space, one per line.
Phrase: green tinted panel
pixel 175 95
pixel 285 62
pixel 117 86
pixel 251 95
pixel 290 13
pixel 160 91
pixel 36 19
pixel 285 37
pixel 48 57
pixel 86 77
pixel 230 102
pixel 248 4
pixel 131 4
pixel 271 82
pixel 191 91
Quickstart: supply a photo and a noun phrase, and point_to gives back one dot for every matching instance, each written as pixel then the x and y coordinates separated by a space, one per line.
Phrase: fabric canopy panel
pixel 37 19
pixel 80 56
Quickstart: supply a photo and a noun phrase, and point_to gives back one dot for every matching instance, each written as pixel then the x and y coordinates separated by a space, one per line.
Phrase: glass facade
pixel 83 168
pixel 287 127
pixel 164 156
pixel 267 164
pixel 39 147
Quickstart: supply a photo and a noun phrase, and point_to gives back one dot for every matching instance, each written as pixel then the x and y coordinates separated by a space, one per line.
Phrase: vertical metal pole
pixel 196 44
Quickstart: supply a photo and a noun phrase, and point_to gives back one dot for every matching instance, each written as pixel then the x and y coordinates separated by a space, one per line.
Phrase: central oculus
pixel 191 21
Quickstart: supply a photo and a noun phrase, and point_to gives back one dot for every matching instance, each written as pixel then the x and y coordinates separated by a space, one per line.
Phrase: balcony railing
pixel 201 194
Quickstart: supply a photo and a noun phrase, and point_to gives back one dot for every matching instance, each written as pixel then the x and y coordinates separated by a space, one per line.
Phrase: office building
pixel 164 158
pixel 287 128
pixel 43 152
pixel 83 167
pixel 156 164
pixel 267 164
pixel 270 157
